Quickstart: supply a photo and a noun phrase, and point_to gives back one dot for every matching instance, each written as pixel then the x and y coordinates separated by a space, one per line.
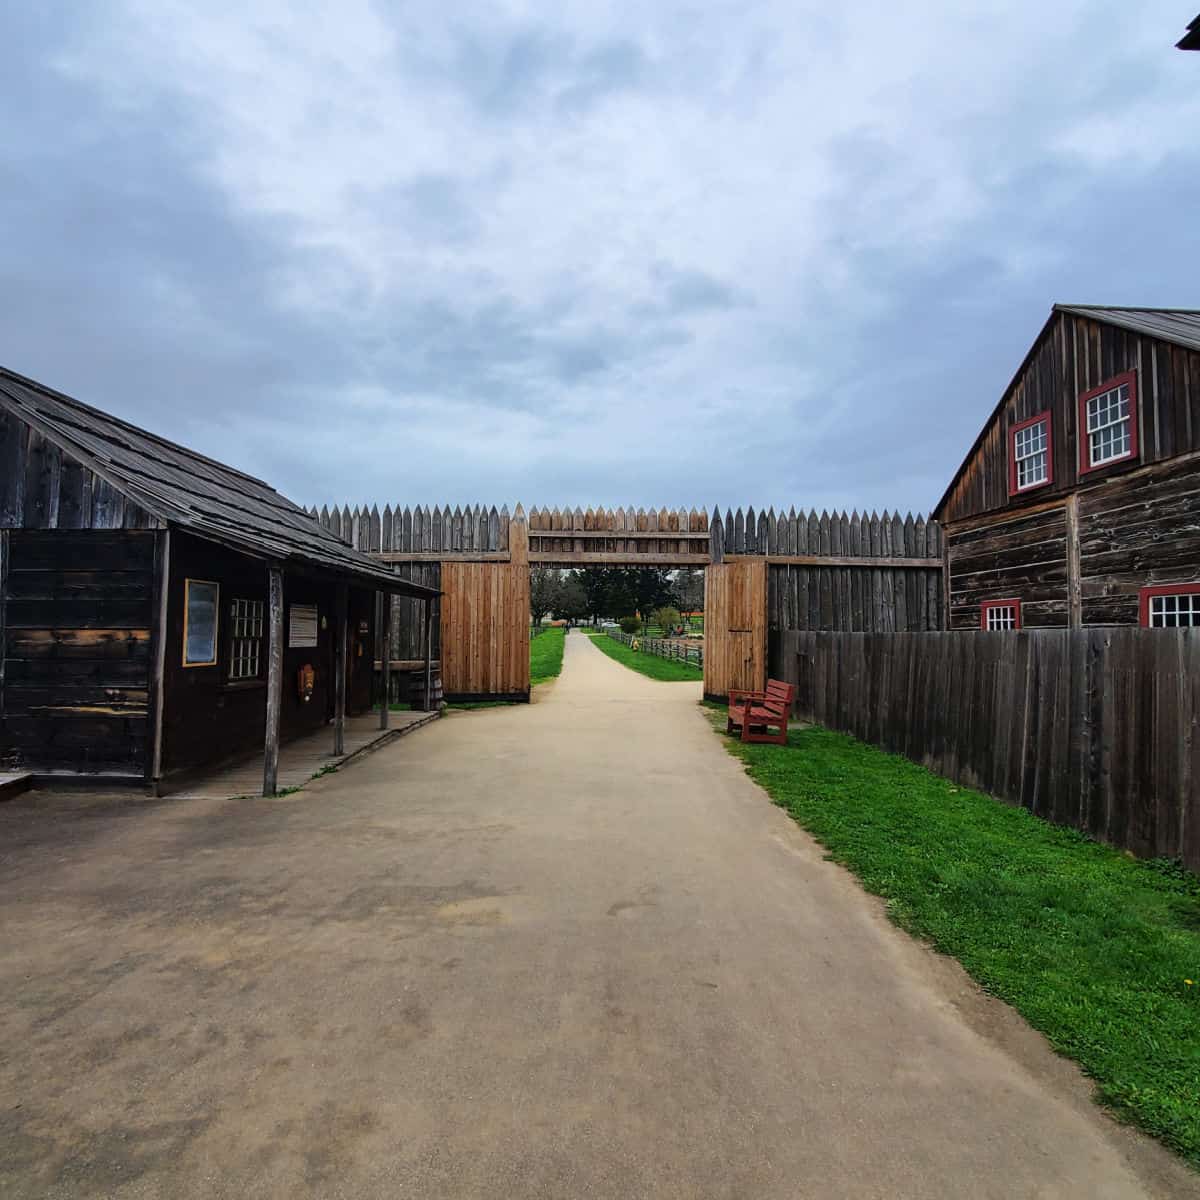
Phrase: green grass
pixel 1091 946
pixel 546 654
pixel 667 669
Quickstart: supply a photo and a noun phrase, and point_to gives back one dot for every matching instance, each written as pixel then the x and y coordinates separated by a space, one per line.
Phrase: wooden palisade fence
pixel 1094 728
pixel 811 571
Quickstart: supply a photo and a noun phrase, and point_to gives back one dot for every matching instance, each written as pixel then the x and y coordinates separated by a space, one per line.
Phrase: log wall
pixel 76 668
pixel 1081 560
pixel 1093 728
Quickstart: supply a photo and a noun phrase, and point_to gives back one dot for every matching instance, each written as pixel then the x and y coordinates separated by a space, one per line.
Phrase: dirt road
pixel 557 950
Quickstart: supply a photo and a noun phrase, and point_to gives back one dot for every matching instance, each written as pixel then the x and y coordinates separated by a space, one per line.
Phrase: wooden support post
pixel 341 657
pixel 162 596
pixel 274 682
pixel 1074 589
pixel 428 651
pixel 386 667
pixel 5 550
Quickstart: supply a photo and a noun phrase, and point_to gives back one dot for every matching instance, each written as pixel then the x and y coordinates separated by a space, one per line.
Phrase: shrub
pixel 630 625
pixel 666 618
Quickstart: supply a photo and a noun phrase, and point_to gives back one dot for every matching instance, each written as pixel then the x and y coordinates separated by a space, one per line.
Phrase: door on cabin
pixel 735 627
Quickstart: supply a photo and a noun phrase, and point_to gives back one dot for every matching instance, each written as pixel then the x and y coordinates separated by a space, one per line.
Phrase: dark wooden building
pixel 161 612
pixel 1079 503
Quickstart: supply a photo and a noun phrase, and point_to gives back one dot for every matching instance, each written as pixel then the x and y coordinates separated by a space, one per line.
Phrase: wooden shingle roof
pixel 188 490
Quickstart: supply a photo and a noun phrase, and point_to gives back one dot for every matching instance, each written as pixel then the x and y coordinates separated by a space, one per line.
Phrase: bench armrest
pixel 736 696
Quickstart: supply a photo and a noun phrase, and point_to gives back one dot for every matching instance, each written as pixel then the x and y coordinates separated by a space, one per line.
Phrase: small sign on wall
pixel 302 626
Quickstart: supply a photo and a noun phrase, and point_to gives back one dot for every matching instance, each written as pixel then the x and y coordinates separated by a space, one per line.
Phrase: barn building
pixel 1079 503
pixel 159 612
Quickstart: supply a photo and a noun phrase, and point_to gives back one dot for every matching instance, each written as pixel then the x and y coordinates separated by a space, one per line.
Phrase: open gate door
pixel 735 627
pixel 485 631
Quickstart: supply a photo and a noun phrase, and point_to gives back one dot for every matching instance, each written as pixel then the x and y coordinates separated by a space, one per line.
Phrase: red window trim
pixel 1162 589
pixel 1013 490
pixel 990 604
pixel 1085 455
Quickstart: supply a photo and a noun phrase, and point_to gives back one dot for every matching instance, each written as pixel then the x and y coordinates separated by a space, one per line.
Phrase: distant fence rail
pixel 1093 728
pixel 677 649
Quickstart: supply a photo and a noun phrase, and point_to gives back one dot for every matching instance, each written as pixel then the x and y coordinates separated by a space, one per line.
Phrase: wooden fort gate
pixel 764 574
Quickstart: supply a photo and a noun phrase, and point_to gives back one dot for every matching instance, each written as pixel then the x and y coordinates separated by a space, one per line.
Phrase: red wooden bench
pixel 755 712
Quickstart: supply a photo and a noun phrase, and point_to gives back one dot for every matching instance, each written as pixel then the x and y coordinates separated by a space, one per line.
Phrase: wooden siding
pixel 1023 558
pixel 485 629
pixel 735 626
pixel 1094 728
pixel 41 487
pixel 207 717
pixel 78 614
pixel 1072 355
pixel 1136 531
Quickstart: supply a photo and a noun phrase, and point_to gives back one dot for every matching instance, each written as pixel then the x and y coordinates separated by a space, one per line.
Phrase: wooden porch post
pixel 428 650
pixel 341 657
pixel 274 682
pixel 386 665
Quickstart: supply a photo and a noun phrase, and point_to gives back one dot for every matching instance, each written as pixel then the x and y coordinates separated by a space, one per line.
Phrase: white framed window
pixel 1172 606
pixel 1030 454
pixel 999 615
pixel 1108 423
pixel 245 644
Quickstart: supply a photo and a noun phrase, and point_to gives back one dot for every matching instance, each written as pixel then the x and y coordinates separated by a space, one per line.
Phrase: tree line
pixel 609 593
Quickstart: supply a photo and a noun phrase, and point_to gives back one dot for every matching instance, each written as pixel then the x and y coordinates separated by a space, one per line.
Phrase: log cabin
pixel 1079 503
pixel 160 612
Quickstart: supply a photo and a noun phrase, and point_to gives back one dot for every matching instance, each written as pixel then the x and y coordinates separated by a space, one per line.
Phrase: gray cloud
pixel 375 257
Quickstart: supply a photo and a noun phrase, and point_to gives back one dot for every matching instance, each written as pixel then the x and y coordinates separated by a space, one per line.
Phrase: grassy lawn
pixel 546 654
pixel 1094 948
pixel 666 669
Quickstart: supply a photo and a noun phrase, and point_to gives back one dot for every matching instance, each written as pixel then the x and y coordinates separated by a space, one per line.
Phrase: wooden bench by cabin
pixel 754 713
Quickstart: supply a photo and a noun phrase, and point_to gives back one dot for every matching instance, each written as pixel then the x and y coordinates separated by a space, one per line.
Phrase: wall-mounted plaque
pixel 302 626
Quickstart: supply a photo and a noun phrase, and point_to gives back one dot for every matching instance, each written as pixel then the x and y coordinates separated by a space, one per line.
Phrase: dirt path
pixel 558 950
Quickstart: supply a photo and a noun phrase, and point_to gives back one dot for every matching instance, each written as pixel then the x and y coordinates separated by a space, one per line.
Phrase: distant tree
pixel 630 624
pixel 653 588
pixel 572 600
pixel 545 586
pixel 594 581
pixel 689 588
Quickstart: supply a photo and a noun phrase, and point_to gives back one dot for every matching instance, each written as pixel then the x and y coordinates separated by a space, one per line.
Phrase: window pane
pixel 200 623
pixel 1172 612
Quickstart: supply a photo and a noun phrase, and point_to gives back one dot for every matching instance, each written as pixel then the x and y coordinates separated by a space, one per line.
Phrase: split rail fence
pixel 1093 728
pixel 676 649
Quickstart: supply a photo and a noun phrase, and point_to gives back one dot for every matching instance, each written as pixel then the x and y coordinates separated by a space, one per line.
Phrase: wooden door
pixel 735 627
pixel 485 630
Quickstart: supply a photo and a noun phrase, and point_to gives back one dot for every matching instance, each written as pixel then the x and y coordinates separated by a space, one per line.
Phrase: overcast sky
pixel 577 252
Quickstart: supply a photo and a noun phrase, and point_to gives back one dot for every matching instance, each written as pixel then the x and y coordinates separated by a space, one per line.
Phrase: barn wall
pixel 77 619
pixel 43 488
pixel 1134 531
pixel 1072 355
pixel 1023 558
